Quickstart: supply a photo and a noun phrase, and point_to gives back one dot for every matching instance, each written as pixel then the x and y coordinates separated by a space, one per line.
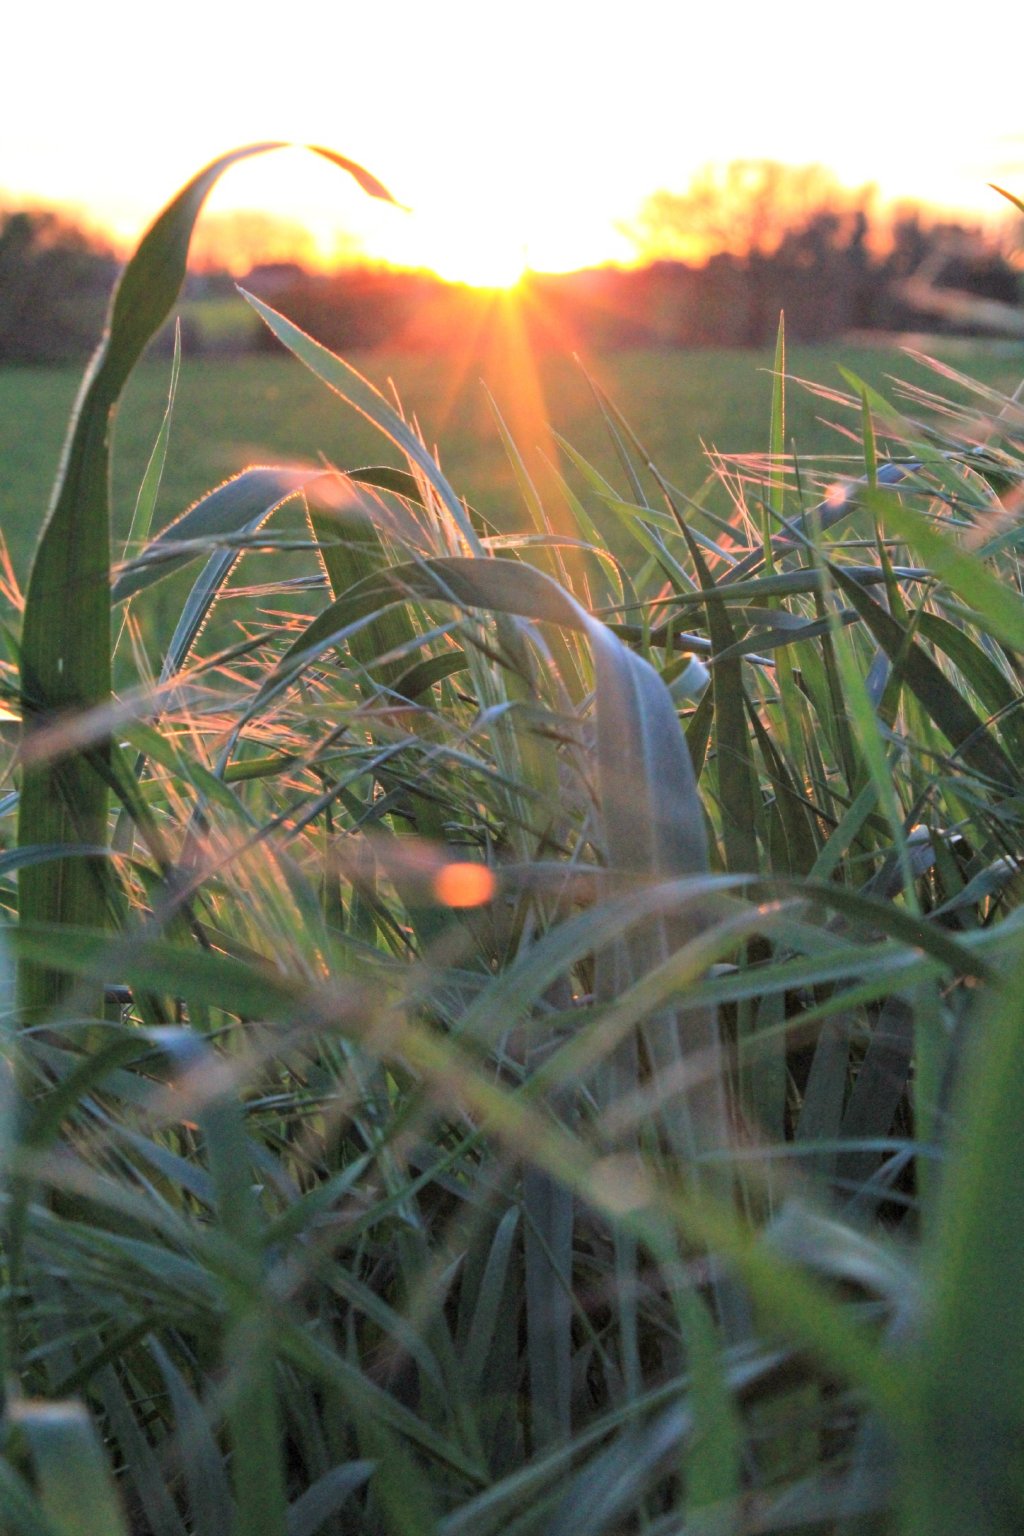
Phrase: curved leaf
pixel 240 505
pixel 66 649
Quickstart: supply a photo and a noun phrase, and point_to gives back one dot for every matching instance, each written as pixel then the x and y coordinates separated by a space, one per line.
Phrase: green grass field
pixel 231 413
pixel 467 1067
pixel 520 1036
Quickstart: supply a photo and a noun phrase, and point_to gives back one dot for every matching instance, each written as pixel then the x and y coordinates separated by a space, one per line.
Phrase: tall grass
pixel 534 1048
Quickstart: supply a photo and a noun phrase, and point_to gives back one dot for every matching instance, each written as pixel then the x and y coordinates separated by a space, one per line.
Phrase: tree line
pixel 55 282
pixel 827 283
pixel 722 260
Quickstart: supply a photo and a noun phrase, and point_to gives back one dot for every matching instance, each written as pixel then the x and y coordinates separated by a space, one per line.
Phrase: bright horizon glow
pixel 523 137
pixel 290 208
pixel 485 255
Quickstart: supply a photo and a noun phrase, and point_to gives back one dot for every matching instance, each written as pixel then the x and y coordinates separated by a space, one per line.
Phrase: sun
pixel 480 262
pixel 485 251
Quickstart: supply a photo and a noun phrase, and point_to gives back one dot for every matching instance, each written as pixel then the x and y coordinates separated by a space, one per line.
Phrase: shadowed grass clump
pixel 535 1047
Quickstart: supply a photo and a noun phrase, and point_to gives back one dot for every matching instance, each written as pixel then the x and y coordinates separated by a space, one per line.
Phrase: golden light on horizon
pixel 479 264
pixel 487 252
pixel 525 146
pixel 292 206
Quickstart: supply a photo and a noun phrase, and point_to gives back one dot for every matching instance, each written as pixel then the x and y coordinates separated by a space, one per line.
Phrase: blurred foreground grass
pixel 534 1048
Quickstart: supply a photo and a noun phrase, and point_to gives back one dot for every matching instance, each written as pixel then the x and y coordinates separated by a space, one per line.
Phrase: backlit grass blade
pixel 196 1450
pixel 483 1327
pixel 963 571
pixel 1010 196
pixel 949 710
pixel 989 681
pixel 75 1488
pixel 547 1240
pixel 350 549
pixel 870 449
pixel 65 660
pixel 241 505
pixel 653 821
pixel 609 414
pixel 196 610
pixel 881 1080
pixel 791 805
pixel 435 1219
pixel 738 793
pixel 320 1502
pixel 800 1308
pixel 839 504
pixel 66 642
pixel 777 434
pixel 148 1475
pixel 963 1465
pixel 149 490
pixel 252 1406
pixel 20 1512
pixel 361 394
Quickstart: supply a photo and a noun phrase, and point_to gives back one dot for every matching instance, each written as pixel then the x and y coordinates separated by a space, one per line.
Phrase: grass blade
pixel 65 645
pixel 240 505
pixel 964 1470
pixel 75 1488
pixel 369 402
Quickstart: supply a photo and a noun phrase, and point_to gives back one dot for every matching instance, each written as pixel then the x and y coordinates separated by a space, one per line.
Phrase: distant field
pixel 236 412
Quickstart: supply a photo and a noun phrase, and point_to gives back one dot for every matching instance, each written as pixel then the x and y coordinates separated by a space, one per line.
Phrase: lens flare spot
pixel 622 1183
pixel 464 885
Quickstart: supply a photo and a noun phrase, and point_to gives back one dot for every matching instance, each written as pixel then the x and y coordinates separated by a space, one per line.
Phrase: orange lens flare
pixel 464 885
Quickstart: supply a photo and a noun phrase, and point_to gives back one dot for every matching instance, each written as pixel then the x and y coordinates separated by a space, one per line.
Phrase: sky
pixel 525 133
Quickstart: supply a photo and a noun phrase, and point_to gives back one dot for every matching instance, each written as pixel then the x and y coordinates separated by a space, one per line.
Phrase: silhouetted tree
pixel 54 284
pixel 747 208
pixel 779 237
